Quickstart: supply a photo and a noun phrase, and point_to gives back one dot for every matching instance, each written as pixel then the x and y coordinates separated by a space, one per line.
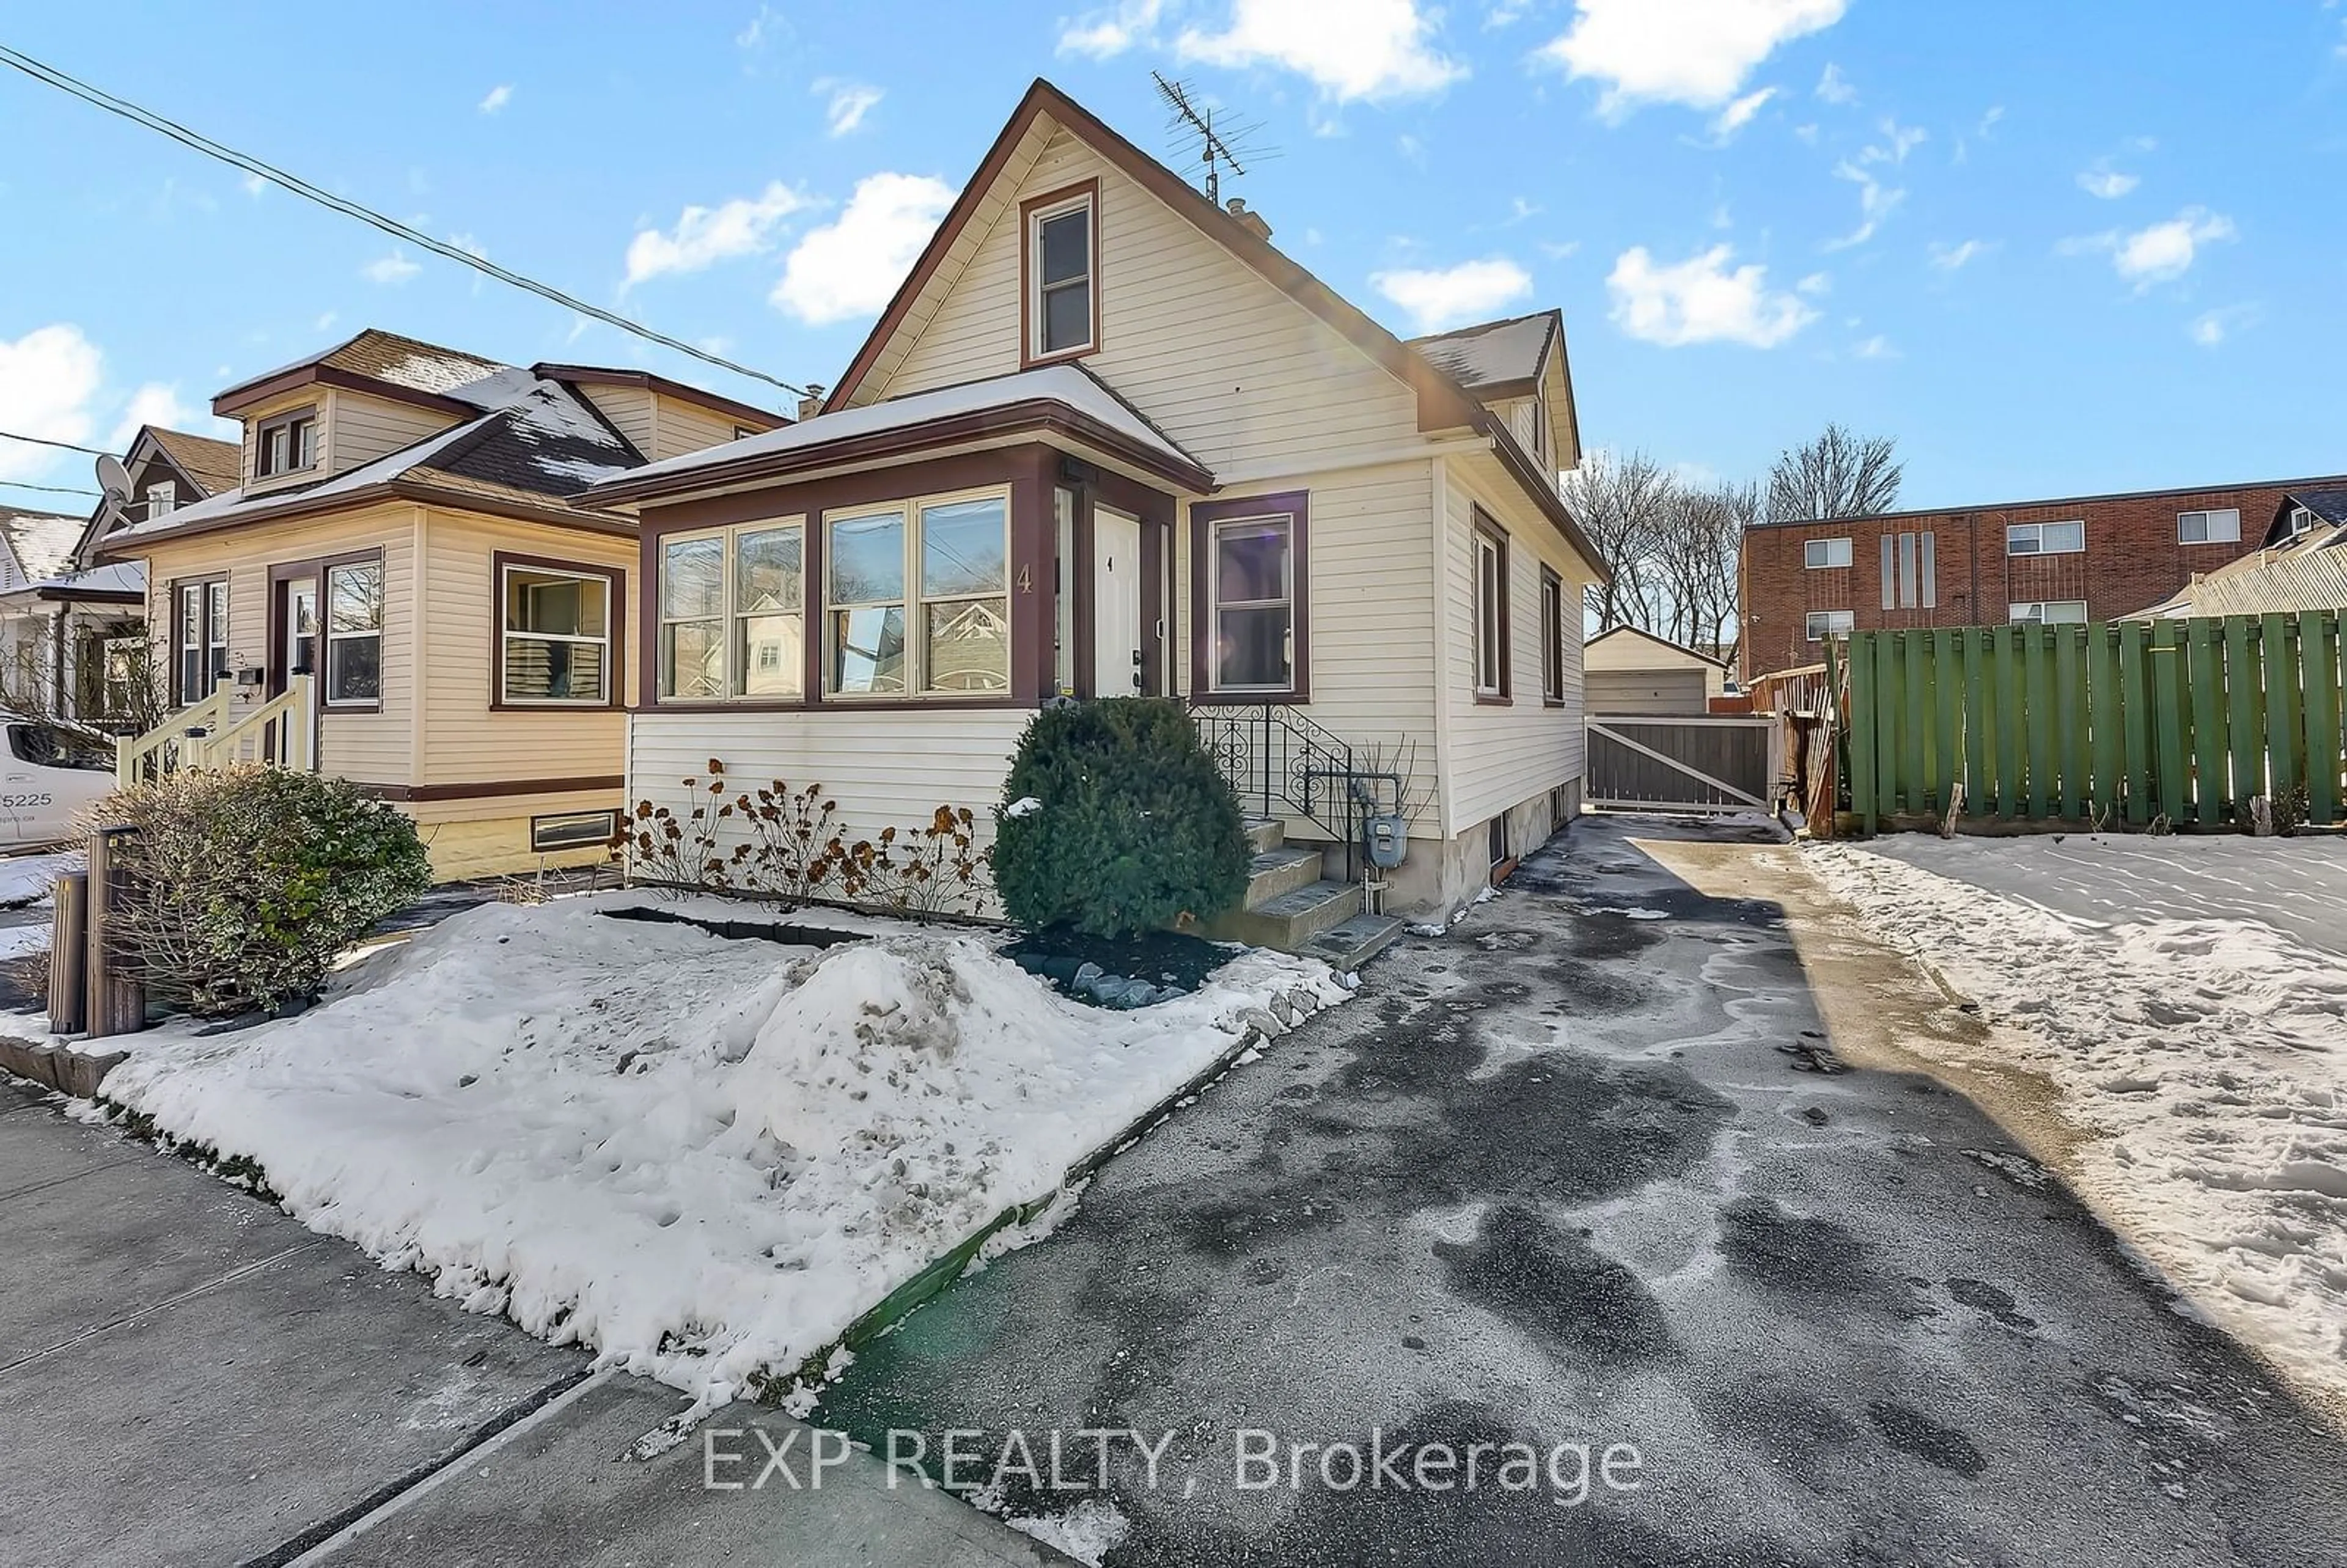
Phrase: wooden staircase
pixel 1290 906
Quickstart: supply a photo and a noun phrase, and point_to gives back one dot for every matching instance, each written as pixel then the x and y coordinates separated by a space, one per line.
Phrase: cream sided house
pixel 73 632
pixel 402 532
pixel 1107 440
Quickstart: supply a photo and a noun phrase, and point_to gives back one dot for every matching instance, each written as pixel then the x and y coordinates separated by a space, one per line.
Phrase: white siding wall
pixel 1238 372
pixel 629 408
pixel 1500 757
pixel 1372 623
pixel 361 428
pixel 885 770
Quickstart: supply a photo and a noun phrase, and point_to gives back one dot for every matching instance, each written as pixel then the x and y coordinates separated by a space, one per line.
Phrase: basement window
pixel 571 830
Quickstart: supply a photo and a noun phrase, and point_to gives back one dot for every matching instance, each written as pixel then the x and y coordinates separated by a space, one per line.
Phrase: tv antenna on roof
pixel 1192 118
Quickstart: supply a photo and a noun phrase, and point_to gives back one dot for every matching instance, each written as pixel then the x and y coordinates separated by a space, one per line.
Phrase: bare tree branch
pixel 1838 475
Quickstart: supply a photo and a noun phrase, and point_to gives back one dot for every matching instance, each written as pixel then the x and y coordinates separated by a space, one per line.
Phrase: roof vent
pixel 1251 221
pixel 812 403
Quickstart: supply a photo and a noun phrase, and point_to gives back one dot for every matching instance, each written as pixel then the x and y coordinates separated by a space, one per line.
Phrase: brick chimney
pixel 812 403
pixel 1251 221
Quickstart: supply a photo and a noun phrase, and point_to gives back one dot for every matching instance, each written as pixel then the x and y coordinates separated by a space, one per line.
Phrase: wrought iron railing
pixel 1282 764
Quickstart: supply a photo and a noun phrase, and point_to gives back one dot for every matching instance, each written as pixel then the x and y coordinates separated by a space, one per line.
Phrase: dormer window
pixel 162 499
pixel 1061 265
pixel 286 445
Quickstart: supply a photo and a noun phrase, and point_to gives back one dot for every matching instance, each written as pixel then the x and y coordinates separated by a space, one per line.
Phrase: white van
pixel 48 780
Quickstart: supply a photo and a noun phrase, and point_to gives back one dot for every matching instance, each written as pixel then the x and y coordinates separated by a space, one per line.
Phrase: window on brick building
pixel 1819 553
pixel 1824 623
pixel 2045 539
pixel 1910 571
pixel 2209 528
pixel 2048 612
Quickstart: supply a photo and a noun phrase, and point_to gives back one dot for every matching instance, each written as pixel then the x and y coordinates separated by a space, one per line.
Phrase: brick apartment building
pixel 2088 558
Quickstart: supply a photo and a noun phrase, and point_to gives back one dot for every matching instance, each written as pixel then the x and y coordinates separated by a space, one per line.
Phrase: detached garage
pixel 1627 671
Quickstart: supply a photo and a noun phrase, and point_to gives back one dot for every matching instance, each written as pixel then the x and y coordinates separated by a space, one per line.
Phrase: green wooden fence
pixel 2126 722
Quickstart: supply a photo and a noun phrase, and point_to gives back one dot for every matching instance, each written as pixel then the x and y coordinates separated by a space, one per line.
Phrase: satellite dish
pixel 113 478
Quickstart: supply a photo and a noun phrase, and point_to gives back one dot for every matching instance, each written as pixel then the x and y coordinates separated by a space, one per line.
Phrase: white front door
pixel 1116 604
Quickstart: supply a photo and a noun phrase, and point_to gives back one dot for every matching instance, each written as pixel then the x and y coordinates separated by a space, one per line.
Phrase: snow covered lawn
pixel 2174 990
pixel 704 1158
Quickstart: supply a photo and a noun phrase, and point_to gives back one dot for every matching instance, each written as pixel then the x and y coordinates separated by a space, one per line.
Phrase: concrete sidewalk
pixel 191 1378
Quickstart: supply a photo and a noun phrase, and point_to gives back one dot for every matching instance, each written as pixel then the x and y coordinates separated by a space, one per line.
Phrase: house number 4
pixel 1026 579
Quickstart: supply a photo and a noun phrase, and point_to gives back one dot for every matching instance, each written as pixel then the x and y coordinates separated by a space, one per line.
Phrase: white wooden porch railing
pixel 279 733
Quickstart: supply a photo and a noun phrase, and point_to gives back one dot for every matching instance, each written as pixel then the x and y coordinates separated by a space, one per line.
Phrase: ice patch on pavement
pixel 2207 1058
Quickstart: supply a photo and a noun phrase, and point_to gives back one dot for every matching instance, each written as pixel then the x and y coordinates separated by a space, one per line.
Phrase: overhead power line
pixel 47 490
pixel 44 441
pixel 49 76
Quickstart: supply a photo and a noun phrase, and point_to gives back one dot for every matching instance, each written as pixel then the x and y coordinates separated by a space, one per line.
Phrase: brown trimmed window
pixel 916 597
pixel 1251 582
pixel 1490 611
pixel 1061 265
pixel 353 633
pixel 199 637
pixel 286 445
pixel 732 613
pixel 1551 599
pixel 555 646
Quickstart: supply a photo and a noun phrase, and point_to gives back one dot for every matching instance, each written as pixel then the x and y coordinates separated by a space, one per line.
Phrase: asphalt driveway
pixel 1611 1167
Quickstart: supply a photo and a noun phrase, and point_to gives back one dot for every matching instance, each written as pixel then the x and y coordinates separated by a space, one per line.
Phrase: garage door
pixel 1645 691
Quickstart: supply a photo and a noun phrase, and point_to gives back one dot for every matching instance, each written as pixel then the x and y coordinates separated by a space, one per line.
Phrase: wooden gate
pixel 1682 762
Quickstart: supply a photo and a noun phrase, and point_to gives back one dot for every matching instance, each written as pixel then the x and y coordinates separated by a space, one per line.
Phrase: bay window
pixel 732 612
pixel 917 596
pixel 555 639
pixel 355 633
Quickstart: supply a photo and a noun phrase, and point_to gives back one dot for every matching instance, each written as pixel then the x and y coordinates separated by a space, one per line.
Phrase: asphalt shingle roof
pixel 42 541
pixel 1491 353
pixel 216 465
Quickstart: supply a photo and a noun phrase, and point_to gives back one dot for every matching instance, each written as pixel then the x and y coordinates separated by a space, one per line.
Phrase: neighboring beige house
pixel 73 632
pixel 1630 671
pixel 401 529
pixel 1105 440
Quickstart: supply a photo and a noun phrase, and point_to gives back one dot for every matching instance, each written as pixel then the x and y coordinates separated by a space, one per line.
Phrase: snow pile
pixel 704 1158
pixel 2205 1059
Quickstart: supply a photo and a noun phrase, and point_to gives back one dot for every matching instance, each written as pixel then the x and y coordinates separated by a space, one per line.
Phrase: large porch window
pixel 732 613
pixel 917 596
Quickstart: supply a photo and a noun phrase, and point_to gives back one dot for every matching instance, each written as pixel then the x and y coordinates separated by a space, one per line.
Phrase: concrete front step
pixel 1291 919
pixel 1264 833
pixel 1348 945
pixel 1282 870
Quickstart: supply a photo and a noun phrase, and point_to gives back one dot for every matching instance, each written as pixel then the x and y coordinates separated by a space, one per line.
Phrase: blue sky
pixel 2052 249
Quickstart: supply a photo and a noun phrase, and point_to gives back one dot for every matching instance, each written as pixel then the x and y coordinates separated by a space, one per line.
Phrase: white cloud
pixel 1815 284
pixel 849 267
pixel 1692 51
pixel 498 97
pixel 324 322
pixel 253 185
pixel 1506 13
pixel 1876 347
pixel 1988 121
pixel 393 269
pixel 2161 252
pixel 1738 113
pixel 2211 328
pixel 1876 201
pixel 1949 258
pixel 1349 48
pixel 1103 35
pixel 156 402
pixel 1835 87
pixel 1898 142
pixel 1701 300
pixel 48 378
pixel 705 236
pixel 767 27
pixel 1439 298
pixel 2101 180
pixel 850 102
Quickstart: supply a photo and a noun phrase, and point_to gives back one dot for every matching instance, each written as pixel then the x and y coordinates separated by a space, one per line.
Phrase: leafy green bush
pixel 1134 826
pixel 245 884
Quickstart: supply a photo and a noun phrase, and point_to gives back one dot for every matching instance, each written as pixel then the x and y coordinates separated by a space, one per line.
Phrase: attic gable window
pixel 286 445
pixel 1061 269
pixel 162 499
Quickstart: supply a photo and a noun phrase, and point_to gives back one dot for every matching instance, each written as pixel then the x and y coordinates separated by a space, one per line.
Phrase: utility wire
pixel 49 76
pixel 50 489
pixel 44 441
